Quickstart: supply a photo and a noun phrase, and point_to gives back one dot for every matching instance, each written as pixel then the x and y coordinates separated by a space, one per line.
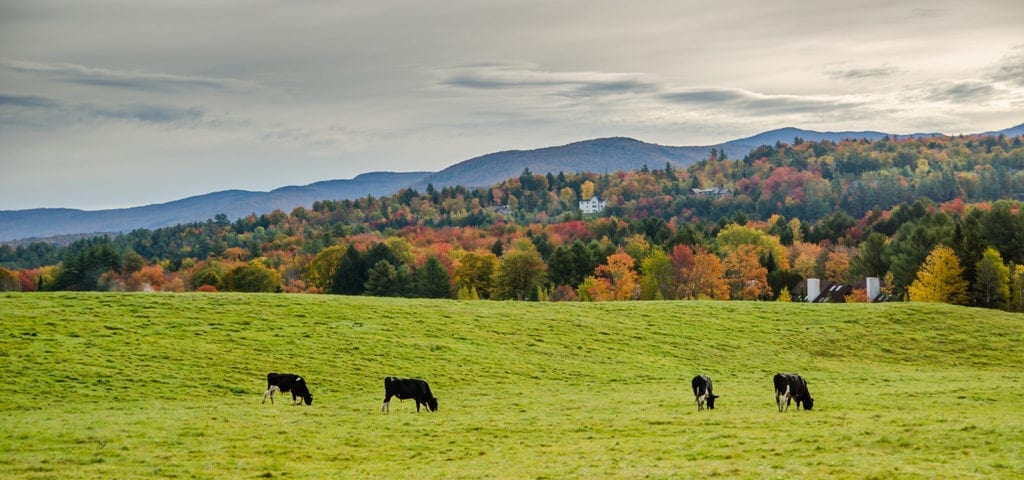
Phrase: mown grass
pixel 169 386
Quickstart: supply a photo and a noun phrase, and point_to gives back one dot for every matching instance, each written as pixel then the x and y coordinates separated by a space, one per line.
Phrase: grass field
pixel 169 386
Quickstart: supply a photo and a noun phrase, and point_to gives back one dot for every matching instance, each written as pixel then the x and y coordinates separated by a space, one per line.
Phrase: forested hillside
pixel 938 218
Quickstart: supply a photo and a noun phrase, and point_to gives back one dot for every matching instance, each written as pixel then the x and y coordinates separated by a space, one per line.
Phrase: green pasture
pixel 105 385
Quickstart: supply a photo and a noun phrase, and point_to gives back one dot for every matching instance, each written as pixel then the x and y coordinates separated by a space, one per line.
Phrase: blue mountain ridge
pixel 596 155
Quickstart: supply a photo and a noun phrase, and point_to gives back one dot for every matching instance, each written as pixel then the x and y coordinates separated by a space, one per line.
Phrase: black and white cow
pixel 287 382
pixel 404 388
pixel 703 391
pixel 790 386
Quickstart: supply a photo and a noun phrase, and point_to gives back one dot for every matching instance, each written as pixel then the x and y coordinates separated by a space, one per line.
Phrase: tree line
pixel 839 211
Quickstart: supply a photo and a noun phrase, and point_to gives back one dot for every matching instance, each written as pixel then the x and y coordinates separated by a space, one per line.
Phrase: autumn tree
pixel 321 270
pixel 9 281
pixel 707 279
pixel 804 258
pixel 837 267
pixel 1017 289
pixel 940 279
pixel 682 259
pixel 520 273
pixel 211 273
pixel 992 281
pixel 748 280
pixel 148 278
pixel 596 289
pixel 658 279
pixel 587 190
pixel 619 272
pixel 253 277
pixel 475 273
pixel 734 236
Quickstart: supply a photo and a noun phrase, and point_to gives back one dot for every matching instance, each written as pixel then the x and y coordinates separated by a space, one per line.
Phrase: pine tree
pixel 940 279
pixel 432 280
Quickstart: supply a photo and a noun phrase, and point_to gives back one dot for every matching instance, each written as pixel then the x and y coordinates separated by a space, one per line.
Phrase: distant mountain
pixel 598 155
pixel 619 153
pixel 1009 132
pixel 49 222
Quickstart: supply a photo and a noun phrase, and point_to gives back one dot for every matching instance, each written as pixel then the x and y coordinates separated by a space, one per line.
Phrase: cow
pixel 703 391
pixel 404 388
pixel 287 382
pixel 790 386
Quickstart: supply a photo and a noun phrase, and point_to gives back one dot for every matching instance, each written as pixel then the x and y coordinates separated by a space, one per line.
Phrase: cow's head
pixel 308 398
pixel 432 404
pixel 808 403
pixel 711 401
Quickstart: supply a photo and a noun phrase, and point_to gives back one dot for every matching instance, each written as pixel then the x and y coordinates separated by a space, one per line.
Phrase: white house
pixel 593 205
pixel 716 192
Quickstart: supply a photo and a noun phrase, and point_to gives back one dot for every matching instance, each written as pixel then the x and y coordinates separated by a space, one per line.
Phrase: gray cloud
pixel 135 80
pixel 963 92
pixel 860 73
pixel 499 76
pixel 32 109
pixel 756 103
pixel 145 113
pixel 30 101
pixel 1011 67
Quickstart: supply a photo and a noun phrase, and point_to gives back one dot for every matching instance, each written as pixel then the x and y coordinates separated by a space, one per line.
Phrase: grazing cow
pixel 790 386
pixel 287 382
pixel 404 388
pixel 702 390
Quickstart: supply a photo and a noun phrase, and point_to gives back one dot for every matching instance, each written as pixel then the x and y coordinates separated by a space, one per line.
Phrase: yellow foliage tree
pixel 940 279
pixel 587 190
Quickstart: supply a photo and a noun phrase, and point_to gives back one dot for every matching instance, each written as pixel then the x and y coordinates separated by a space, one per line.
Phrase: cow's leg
pixel 784 399
pixel 386 408
pixel 270 391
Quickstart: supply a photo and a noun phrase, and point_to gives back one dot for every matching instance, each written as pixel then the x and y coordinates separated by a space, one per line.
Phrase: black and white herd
pixel 789 387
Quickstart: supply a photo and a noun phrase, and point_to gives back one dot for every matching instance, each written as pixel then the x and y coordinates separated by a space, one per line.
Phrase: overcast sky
pixel 114 104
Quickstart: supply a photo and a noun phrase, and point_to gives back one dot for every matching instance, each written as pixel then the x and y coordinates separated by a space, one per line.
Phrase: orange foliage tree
pixel 748 280
pixel 614 280
pixel 706 279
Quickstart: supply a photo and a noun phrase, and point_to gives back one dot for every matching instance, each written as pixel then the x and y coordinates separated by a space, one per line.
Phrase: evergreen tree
pixel 84 262
pixel 351 275
pixel 432 280
pixel 386 280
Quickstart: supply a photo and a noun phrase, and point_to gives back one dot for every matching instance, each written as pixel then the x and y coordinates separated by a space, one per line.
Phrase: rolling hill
pixel 18 224
pixel 597 155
